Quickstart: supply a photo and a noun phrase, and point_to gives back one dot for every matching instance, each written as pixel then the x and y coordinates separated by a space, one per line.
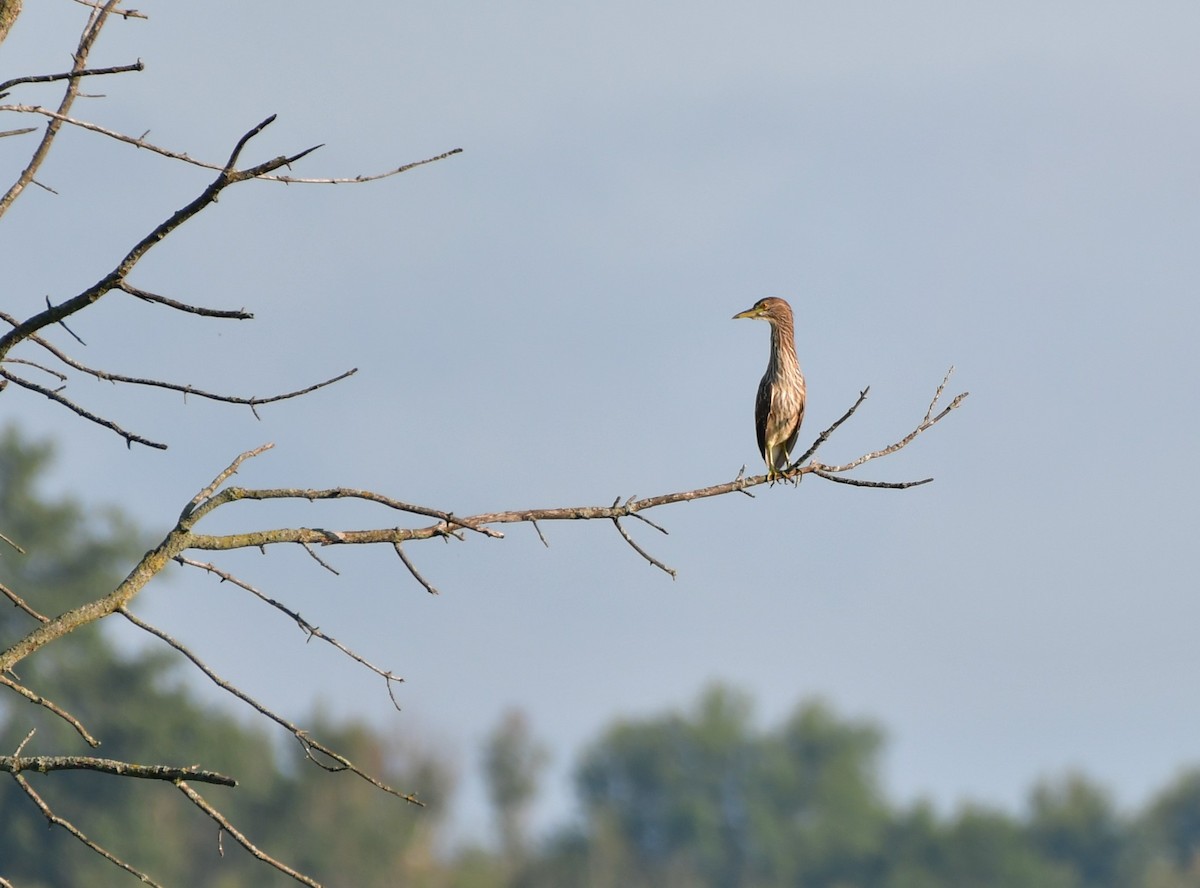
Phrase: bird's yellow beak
pixel 748 313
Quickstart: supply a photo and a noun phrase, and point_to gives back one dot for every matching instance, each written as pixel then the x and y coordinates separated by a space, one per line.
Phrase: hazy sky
pixel 545 320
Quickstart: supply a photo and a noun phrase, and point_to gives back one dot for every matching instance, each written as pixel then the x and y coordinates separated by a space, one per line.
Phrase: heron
pixel 779 407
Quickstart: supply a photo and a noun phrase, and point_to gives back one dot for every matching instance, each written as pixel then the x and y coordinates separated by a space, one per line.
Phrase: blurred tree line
pixel 699 798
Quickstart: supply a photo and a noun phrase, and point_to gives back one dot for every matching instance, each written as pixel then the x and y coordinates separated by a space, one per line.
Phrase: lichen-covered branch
pixel 44 764
pixel 184 536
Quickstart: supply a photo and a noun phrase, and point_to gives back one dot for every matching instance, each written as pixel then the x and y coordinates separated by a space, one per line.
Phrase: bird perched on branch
pixel 779 407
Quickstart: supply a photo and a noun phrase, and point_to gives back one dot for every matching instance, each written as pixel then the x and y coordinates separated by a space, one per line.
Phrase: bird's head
pixel 770 309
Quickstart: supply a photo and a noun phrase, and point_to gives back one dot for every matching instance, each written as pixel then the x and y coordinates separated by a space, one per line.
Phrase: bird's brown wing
pixel 791 439
pixel 762 407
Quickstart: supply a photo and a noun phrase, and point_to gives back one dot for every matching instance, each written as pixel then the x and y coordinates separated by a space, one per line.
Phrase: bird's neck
pixel 783 344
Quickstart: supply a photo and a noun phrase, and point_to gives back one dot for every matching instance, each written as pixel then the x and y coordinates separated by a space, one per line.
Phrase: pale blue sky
pixel 544 320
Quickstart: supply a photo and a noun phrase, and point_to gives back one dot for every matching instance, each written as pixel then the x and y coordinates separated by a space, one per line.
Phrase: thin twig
pixel 11 543
pixel 147 296
pixel 824 436
pixel 51 706
pixel 300 735
pixel 251 402
pixel 224 475
pixel 412 569
pixel 643 518
pixel 62 321
pixel 71 75
pixel 21 746
pixel 317 558
pixel 353 180
pixel 305 626
pixel 54 820
pixel 61 377
pixel 938 394
pixel 130 437
pixel 642 551
pixel 240 838
pixel 859 482
pixel 184 157
pixel 21 603
pixel 123 13
pixel 903 442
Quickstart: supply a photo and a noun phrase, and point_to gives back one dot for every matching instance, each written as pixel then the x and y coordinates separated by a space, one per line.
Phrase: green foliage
pixel 707 800
pixel 1170 831
pixel 978 847
pixel 1073 821
pixel 512 761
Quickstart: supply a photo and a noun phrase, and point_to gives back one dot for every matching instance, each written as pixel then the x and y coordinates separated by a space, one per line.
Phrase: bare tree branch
pixel 448 519
pixel 241 839
pixel 927 423
pixel 412 569
pixel 183 536
pixel 63 323
pixel 50 705
pixel 221 478
pixel 22 604
pixel 301 735
pixel 307 627
pixel 71 75
pixel 91 31
pixel 228 176
pixel 44 764
pixel 184 157
pixel 61 377
pixel 8 540
pixel 116 279
pixel 860 482
pixel 146 296
pixel 251 402
pixel 317 558
pixel 54 820
pixel 937 396
pixel 369 177
pixel 824 436
pixel 123 13
pixel 131 438
pixel 641 551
